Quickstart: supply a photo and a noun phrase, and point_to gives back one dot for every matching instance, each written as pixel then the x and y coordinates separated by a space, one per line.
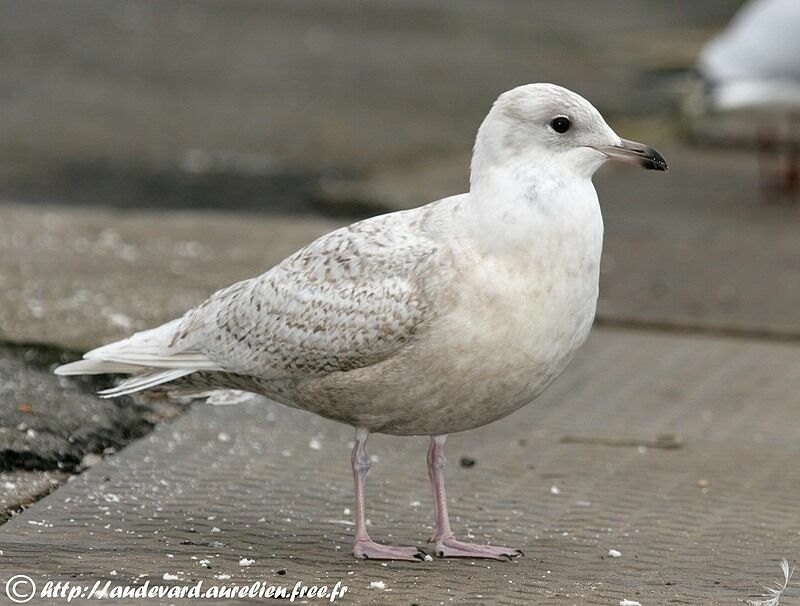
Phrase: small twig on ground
pixel 774 594
pixel 666 441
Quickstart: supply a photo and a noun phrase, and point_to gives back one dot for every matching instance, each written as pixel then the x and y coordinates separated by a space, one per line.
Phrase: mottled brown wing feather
pixel 347 300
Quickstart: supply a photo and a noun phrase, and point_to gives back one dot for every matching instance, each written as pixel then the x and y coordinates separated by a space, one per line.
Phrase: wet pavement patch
pixel 52 423
pixel 225 187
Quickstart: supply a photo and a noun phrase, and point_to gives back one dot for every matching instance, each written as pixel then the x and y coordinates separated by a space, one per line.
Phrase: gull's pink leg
pixel 446 544
pixel 364 547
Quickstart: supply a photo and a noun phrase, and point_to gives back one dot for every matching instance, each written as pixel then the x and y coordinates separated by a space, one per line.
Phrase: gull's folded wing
pixel 347 300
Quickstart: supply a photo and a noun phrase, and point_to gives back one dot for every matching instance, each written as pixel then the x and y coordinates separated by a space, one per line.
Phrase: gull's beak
pixel 632 152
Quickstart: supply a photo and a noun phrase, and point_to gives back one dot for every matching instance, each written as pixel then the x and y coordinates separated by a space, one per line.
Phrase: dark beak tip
pixel 655 161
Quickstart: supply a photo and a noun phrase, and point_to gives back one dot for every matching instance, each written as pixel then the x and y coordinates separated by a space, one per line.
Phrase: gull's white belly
pixel 510 331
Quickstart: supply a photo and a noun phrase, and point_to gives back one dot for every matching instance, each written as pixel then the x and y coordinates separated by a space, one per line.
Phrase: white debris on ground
pixel 170 577
pixel 614 553
pixel 555 490
pixel 377 585
pixel 774 594
pixel 90 459
pixel 118 319
pixel 246 562
pixel 225 397
pixel 628 603
pixel 315 444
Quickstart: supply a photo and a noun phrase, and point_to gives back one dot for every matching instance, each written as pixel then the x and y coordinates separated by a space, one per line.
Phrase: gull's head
pixel 548 125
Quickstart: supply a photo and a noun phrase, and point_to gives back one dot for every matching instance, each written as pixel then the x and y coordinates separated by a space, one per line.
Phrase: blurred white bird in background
pixel 753 68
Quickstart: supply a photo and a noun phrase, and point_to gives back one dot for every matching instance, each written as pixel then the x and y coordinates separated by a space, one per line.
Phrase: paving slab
pixel 576 474
pixel 78 278
pixel 19 489
pixel 699 248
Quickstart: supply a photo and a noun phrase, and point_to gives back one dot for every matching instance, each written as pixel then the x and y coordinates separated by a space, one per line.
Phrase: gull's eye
pixel 560 124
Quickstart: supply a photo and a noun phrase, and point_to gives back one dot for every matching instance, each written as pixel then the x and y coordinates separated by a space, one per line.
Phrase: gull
pixel 753 69
pixel 755 62
pixel 428 321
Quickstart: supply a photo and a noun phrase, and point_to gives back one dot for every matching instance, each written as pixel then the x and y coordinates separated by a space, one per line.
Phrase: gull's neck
pixel 514 206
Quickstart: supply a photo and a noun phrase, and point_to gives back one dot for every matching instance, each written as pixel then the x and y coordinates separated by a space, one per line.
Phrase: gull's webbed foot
pixel 368 549
pixel 450 547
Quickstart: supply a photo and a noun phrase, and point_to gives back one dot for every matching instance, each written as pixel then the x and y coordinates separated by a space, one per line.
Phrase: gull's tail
pixel 145 356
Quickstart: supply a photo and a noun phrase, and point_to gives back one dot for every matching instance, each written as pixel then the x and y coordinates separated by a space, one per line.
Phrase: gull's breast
pixel 528 315
pixel 511 329
pixel 503 328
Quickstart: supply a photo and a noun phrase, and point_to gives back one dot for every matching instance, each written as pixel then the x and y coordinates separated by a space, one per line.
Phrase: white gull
pixel 429 321
pixel 755 63
pixel 752 70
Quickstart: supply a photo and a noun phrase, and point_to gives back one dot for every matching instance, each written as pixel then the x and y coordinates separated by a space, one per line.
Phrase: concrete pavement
pixel 704 523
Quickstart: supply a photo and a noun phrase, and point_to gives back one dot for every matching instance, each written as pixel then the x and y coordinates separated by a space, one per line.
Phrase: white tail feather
pixel 145 355
pixel 144 381
pixel 95 367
